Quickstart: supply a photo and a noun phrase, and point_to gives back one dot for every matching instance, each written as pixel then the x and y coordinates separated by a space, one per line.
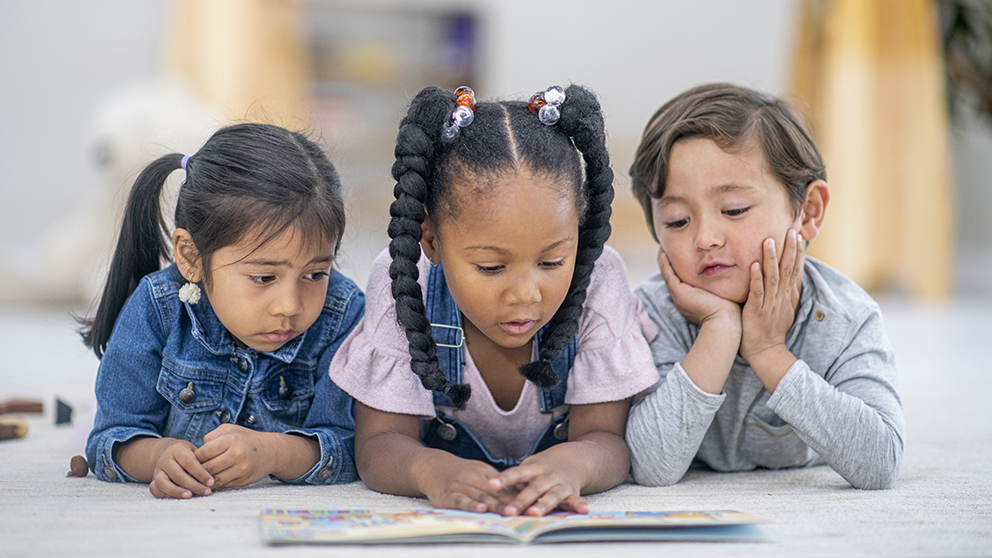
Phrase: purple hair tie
pixel 184 161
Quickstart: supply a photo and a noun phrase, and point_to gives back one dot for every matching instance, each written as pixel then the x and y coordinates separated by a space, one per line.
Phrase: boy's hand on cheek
pixel 771 309
pixel 697 305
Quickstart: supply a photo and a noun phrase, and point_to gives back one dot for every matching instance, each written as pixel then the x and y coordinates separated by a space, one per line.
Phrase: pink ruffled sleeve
pixel 613 360
pixel 373 363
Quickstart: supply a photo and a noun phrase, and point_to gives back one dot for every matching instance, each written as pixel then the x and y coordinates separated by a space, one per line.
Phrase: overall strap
pixel 446 327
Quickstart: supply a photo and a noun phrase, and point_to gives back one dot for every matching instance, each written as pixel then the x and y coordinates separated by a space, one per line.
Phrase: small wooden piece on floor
pixel 20 406
pixel 63 412
pixel 78 467
pixel 11 428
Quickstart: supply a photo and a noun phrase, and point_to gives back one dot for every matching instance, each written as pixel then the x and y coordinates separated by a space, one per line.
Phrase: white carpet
pixel 941 505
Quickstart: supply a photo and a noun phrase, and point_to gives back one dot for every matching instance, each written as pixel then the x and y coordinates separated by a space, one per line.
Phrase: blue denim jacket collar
pixel 211 333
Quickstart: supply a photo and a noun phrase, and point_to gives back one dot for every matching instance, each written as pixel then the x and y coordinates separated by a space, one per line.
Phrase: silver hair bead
pixel 555 95
pixel 548 115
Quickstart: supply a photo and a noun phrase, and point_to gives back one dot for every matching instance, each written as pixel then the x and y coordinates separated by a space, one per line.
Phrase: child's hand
pixel 771 308
pixel 235 455
pixel 543 484
pixel 178 473
pixel 464 484
pixel 697 305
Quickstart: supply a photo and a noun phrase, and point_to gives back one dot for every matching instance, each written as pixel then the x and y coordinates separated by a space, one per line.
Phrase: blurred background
pixel 898 93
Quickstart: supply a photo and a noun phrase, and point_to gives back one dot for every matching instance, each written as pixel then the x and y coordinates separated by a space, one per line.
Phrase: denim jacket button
pixel 561 431
pixel 243 364
pixel 251 419
pixel 187 395
pixel 225 417
pixel 110 472
pixel 324 473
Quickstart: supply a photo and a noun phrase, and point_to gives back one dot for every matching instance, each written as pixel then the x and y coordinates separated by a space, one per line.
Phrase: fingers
pixel 770 266
pixel 668 272
pixel 178 474
pixel 540 492
pixel 574 504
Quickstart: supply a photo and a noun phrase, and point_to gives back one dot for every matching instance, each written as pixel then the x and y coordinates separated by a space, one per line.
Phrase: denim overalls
pixel 444 432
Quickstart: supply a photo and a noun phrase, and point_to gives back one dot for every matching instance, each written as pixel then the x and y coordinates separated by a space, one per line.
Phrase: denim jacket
pixel 161 346
pixel 444 432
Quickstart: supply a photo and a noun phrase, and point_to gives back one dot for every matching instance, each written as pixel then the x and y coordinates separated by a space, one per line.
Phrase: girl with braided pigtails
pixel 501 345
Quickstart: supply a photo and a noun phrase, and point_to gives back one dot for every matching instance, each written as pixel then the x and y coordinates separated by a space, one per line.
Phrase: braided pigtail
pixel 582 120
pixel 417 145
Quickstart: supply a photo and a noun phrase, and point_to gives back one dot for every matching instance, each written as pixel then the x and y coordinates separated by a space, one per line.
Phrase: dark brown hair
pixel 733 117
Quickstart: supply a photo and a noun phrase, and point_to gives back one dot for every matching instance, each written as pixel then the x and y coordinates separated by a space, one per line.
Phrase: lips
pixel 279 336
pixel 517 327
pixel 710 269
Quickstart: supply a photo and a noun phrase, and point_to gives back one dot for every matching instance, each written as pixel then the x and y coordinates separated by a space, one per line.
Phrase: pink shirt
pixel 612 361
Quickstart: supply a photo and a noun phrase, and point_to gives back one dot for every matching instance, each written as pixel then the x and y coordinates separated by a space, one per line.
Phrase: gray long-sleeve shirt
pixel 837 404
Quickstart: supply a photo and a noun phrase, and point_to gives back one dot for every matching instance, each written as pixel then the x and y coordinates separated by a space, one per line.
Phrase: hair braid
pixel 582 120
pixel 416 146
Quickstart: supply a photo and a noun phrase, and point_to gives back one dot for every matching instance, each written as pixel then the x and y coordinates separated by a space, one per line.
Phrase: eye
pixel 676 224
pixel 551 265
pixel 736 212
pixel 489 270
pixel 316 275
pixel 262 279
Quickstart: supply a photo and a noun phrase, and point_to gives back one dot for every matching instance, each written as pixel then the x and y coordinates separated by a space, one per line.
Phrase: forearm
pixel 711 356
pixel 600 459
pixel 665 430
pixel 395 463
pixel 138 456
pixel 863 443
pixel 771 365
pixel 293 455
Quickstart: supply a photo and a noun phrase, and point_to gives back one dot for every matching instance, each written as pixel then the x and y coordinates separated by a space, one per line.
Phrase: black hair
pixel 503 137
pixel 247 179
pixel 733 117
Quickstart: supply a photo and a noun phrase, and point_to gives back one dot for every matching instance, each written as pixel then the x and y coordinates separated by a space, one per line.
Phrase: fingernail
pixel 792 233
pixel 799 237
pixel 206 492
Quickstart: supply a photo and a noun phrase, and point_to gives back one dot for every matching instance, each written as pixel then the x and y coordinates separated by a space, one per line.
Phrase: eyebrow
pixel 276 263
pixel 504 251
pixel 722 189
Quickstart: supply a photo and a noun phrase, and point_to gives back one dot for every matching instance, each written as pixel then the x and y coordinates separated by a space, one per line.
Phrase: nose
pixel 709 235
pixel 523 289
pixel 288 301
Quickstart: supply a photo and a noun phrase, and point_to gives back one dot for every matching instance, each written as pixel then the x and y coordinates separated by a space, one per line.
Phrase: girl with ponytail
pixel 494 367
pixel 213 370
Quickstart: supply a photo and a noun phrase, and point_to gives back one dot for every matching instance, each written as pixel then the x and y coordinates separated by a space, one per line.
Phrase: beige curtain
pixel 248 58
pixel 869 73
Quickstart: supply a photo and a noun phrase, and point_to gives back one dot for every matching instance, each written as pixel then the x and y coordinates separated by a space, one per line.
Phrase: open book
pixel 450 526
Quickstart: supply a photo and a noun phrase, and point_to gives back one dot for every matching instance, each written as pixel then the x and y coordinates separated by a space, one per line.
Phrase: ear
pixel 814 209
pixel 187 257
pixel 429 242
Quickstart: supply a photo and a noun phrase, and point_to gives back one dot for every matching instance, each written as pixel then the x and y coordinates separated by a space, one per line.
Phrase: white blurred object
pixel 130 128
